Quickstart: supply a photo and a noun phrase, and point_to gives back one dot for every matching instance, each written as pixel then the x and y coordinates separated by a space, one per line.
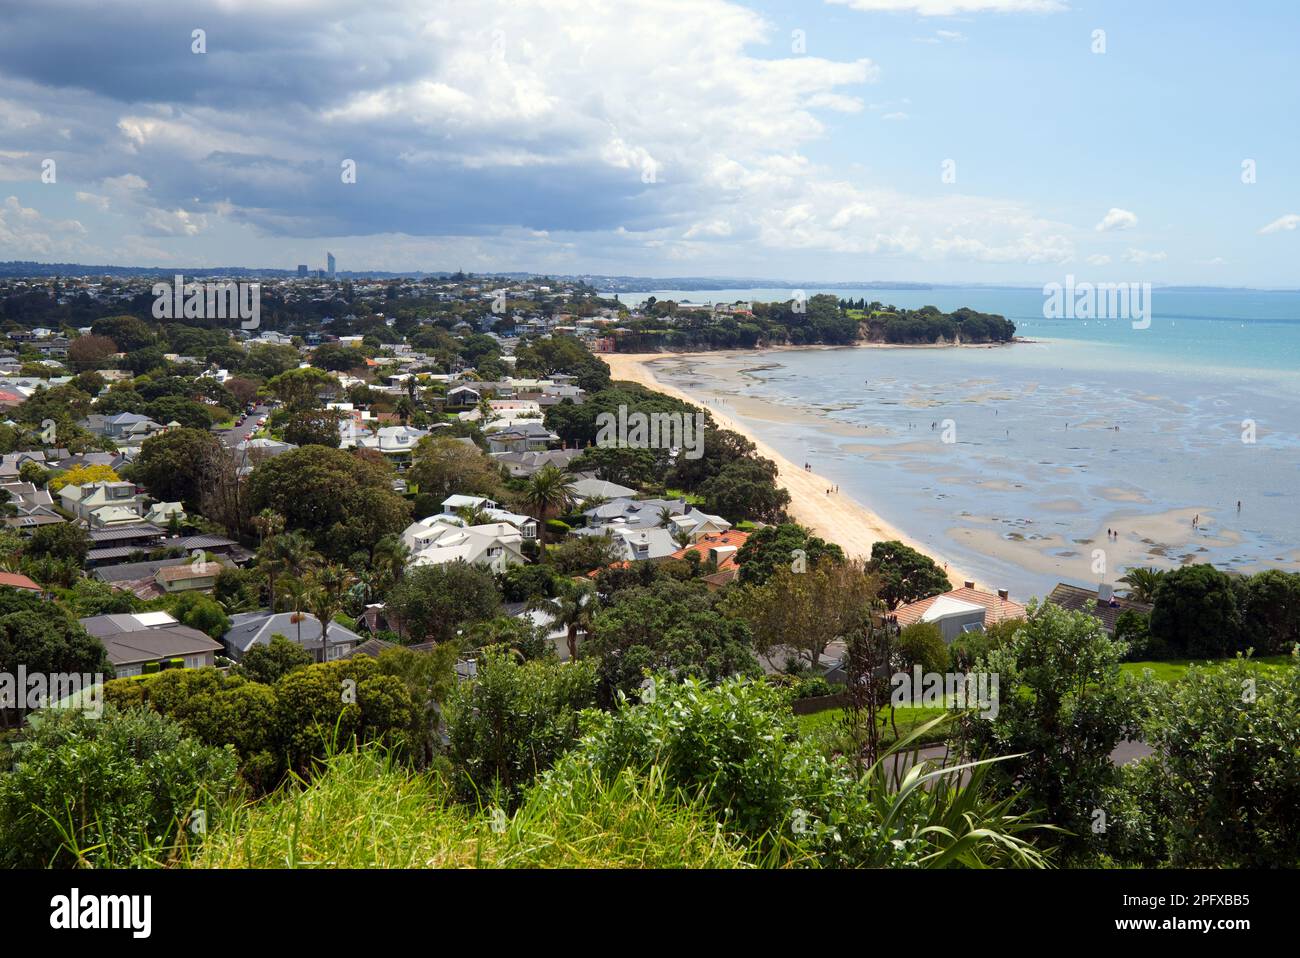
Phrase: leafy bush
pixel 1228 750
pixel 109 792
pixel 512 720
pixel 922 644
pixel 734 747
pixel 280 727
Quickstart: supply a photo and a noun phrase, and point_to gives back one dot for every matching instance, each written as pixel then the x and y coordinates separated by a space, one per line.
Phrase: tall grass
pixel 365 810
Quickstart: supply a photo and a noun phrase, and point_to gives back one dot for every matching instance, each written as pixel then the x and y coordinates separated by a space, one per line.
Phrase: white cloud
pixel 100 203
pixel 26 234
pixel 1288 222
pixel 948 8
pixel 1098 259
pixel 1141 257
pixel 1117 219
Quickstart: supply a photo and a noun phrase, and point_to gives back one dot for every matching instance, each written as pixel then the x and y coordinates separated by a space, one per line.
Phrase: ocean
pixel 1014 462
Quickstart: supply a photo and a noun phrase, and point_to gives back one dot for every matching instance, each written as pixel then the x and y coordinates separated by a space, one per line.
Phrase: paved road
pixel 233 437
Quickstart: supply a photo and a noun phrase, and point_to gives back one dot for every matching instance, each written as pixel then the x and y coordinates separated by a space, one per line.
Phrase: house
pixel 589 488
pixel 396 443
pixel 697 525
pixel 1109 606
pixel 719 550
pixel 163 513
pixel 249 453
pixel 521 437
pixel 124 428
pixel 524 465
pixel 248 629
pixel 121 541
pixel 196 575
pixel 16 580
pixel 640 544
pixel 34 507
pixel 526 525
pixel 103 503
pixel 628 513
pixel 960 610
pixel 150 641
pixel 441 539
pixel 136 577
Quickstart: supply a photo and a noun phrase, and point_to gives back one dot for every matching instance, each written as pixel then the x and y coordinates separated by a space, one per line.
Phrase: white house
pixel 443 538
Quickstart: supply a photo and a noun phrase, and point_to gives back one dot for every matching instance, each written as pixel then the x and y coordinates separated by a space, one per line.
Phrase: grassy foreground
pixel 367 811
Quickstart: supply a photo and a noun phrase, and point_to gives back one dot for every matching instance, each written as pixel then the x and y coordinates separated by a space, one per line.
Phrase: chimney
pixel 1003 594
pixel 969 584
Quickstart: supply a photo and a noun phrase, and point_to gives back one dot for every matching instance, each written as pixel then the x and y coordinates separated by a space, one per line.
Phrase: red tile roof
pixel 997 609
pixel 732 537
pixel 17 581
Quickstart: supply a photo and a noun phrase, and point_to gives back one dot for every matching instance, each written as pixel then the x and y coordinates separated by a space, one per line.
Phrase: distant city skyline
pixel 944 141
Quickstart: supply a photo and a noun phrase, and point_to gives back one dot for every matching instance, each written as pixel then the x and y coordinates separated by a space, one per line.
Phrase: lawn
pixel 906 719
pixel 1174 669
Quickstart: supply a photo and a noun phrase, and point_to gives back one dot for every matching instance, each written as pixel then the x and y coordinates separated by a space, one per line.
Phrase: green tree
pixel 1195 612
pixel 667 627
pixel 786 545
pixel 1062 707
pixel 905 574
pixel 312 427
pixel 432 602
pixel 172 465
pixel 268 663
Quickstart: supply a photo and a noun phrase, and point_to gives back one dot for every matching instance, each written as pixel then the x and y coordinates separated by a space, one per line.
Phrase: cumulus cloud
pixel 1141 257
pixel 1283 223
pixel 493 133
pixel 1117 219
pixel 26 234
pixel 948 8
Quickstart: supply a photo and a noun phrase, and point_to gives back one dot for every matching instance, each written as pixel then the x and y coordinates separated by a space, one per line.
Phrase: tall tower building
pixel 302 269
pixel 329 264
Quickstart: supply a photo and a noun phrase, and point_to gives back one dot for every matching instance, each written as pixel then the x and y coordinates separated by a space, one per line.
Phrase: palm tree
pixel 326 586
pixel 548 492
pixel 268 522
pixel 288 553
pixel 1142 583
pixel 572 609
pixel 298 592
pixel 473 515
pixel 389 560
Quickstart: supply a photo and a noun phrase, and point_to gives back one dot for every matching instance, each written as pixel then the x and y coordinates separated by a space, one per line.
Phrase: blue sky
pixel 806 141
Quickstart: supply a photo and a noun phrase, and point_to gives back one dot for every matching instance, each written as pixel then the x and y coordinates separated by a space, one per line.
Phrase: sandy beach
pixel 835 517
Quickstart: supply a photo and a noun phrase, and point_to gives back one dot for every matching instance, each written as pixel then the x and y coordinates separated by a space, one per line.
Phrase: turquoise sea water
pixel 1037 460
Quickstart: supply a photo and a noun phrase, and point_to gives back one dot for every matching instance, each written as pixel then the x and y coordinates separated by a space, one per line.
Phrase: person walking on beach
pixel 1238 505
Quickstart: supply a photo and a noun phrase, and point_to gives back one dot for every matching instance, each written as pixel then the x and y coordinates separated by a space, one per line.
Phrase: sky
pixel 945 141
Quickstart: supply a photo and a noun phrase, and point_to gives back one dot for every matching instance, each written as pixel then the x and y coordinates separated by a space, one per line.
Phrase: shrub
pixel 512 720
pixel 1228 745
pixel 922 644
pixel 109 792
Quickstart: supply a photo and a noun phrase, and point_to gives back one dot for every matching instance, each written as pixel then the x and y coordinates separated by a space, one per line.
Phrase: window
pixel 195 661
pixel 123 671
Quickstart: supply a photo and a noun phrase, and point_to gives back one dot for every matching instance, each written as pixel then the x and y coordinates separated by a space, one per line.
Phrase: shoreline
pixel 836 517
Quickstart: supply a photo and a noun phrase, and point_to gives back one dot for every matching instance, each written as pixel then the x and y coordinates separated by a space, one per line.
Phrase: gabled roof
pixel 996 608
pixel 256 628
pixel 1076 598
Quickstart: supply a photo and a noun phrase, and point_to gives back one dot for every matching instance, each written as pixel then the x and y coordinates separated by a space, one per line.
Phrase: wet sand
pixel 835 517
